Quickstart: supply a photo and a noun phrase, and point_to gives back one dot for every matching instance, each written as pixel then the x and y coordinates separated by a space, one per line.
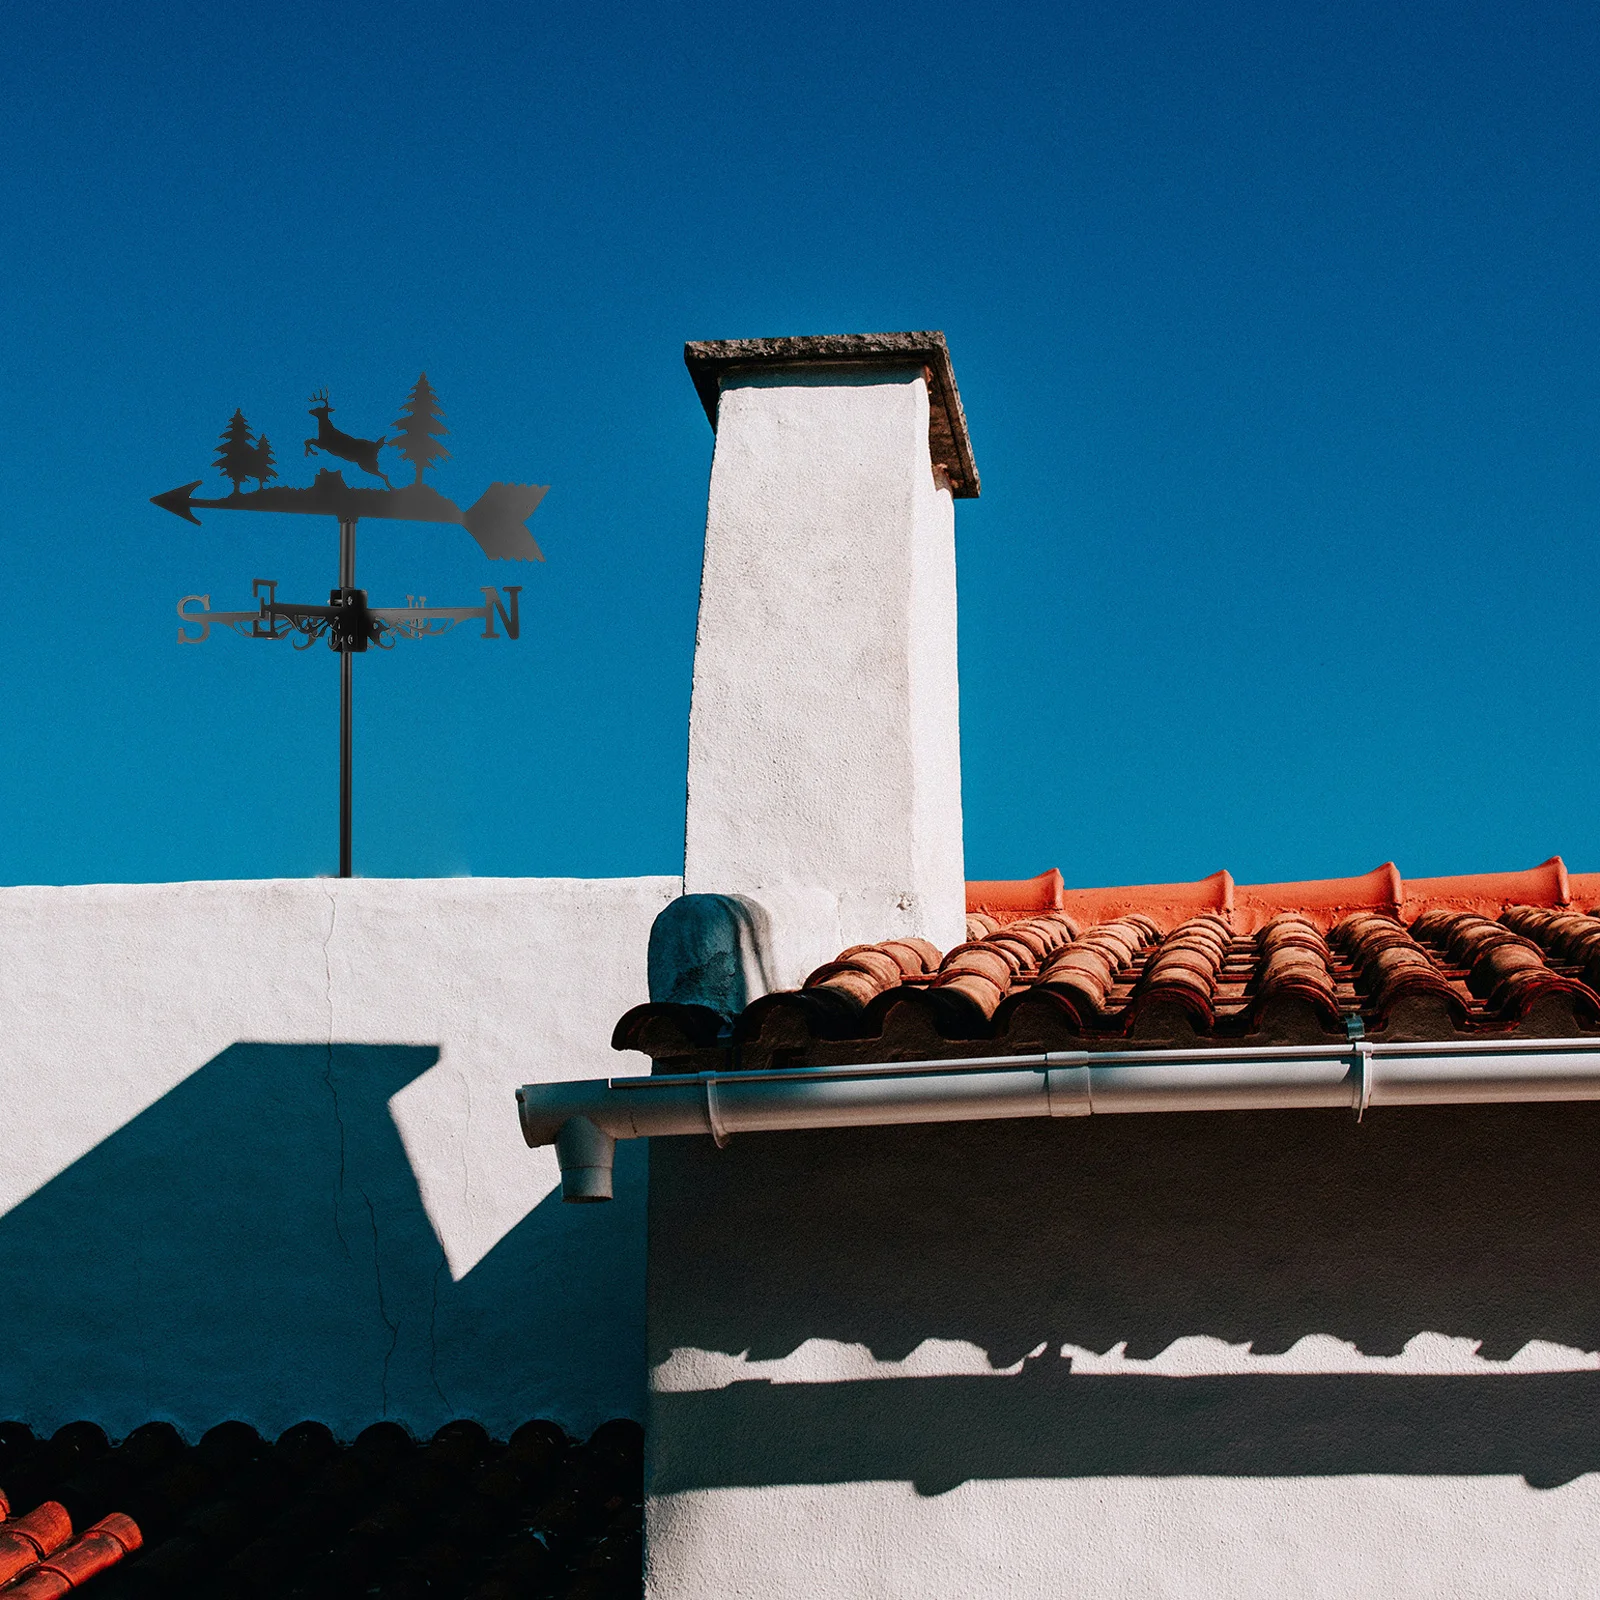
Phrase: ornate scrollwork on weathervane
pixel 497 519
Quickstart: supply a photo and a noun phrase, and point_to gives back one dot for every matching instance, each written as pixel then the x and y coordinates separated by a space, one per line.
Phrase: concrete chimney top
pixel 711 360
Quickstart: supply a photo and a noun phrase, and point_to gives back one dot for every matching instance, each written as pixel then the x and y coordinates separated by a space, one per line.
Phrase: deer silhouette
pixel 363 452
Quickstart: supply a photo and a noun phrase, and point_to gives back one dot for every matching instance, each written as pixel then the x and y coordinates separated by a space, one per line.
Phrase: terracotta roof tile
pixel 1086 973
pixel 28 1539
pixel 833 998
pixel 982 972
pixel 1047 966
pixel 105 1544
pixel 1185 968
pixel 1505 970
pixel 1002 900
pixel 1570 937
pixel 1390 966
pixel 864 971
pixel 1248 907
pixel 1295 958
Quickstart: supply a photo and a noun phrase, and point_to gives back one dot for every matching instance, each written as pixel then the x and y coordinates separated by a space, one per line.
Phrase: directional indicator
pixel 497 519
pixel 379 625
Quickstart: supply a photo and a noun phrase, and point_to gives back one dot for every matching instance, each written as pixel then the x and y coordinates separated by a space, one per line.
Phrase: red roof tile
pixel 1248 907
pixel 99 1547
pixel 29 1539
pixel 1044 965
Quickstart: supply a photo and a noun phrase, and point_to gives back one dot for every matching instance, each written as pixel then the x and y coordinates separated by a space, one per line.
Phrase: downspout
pixel 585 1119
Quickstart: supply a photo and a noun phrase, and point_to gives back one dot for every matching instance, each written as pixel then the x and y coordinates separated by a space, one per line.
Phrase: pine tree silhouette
pixel 236 453
pixel 263 463
pixel 419 426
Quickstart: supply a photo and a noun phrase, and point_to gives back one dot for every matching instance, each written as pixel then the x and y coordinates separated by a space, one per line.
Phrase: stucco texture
pixel 260 1157
pixel 1252 1355
pixel 824 758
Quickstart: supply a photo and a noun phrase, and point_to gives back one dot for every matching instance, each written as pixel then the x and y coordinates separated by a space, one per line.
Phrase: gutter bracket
pixel 1066 1083
pixel 1361 1095
pixel 719 1132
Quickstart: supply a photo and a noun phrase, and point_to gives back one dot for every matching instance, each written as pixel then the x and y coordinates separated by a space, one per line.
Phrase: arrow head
pixel 498 520
pixel 177 501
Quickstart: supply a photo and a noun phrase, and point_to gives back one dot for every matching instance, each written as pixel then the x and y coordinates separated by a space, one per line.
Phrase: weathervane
pixel 497 520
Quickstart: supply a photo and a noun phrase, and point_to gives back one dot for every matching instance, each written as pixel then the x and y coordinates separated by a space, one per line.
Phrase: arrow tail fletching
pixel 498 520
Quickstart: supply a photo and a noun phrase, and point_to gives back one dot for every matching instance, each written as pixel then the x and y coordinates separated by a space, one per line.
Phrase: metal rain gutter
pixel 584 1119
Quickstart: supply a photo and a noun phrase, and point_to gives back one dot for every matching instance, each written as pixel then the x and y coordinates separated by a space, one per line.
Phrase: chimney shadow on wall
pixel 254 1245
pixel 1478 1223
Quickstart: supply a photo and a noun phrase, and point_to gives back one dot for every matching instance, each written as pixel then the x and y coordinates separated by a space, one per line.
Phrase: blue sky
pixel 1276 327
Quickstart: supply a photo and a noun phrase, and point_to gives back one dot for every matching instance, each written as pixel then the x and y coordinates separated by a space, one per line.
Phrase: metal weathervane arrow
pixel 497 519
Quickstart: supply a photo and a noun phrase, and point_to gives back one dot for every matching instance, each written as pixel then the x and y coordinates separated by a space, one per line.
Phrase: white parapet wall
pixel 824 746
pixel 259 1156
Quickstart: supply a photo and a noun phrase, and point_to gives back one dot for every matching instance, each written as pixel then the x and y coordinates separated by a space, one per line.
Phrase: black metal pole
pixel 347 581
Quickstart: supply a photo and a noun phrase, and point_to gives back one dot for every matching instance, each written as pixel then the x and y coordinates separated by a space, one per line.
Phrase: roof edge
pixel 1248 906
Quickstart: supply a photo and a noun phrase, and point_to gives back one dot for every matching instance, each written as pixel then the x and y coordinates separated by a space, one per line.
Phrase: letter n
pixel 491 604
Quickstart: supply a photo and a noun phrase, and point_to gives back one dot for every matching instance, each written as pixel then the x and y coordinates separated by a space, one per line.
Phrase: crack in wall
pixel 433 1338
pixel 383 1309
pixel 327 1071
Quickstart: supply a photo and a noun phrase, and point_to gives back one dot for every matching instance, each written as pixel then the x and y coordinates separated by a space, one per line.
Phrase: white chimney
pixel 824 744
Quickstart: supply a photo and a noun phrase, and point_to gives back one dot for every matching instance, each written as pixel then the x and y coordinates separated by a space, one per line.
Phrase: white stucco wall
pixel 1252 1356
pixel 259 1156
pixel 824 758
pixel 1491 1538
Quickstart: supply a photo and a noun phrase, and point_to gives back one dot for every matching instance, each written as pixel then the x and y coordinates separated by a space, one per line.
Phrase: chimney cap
pixel 711 360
